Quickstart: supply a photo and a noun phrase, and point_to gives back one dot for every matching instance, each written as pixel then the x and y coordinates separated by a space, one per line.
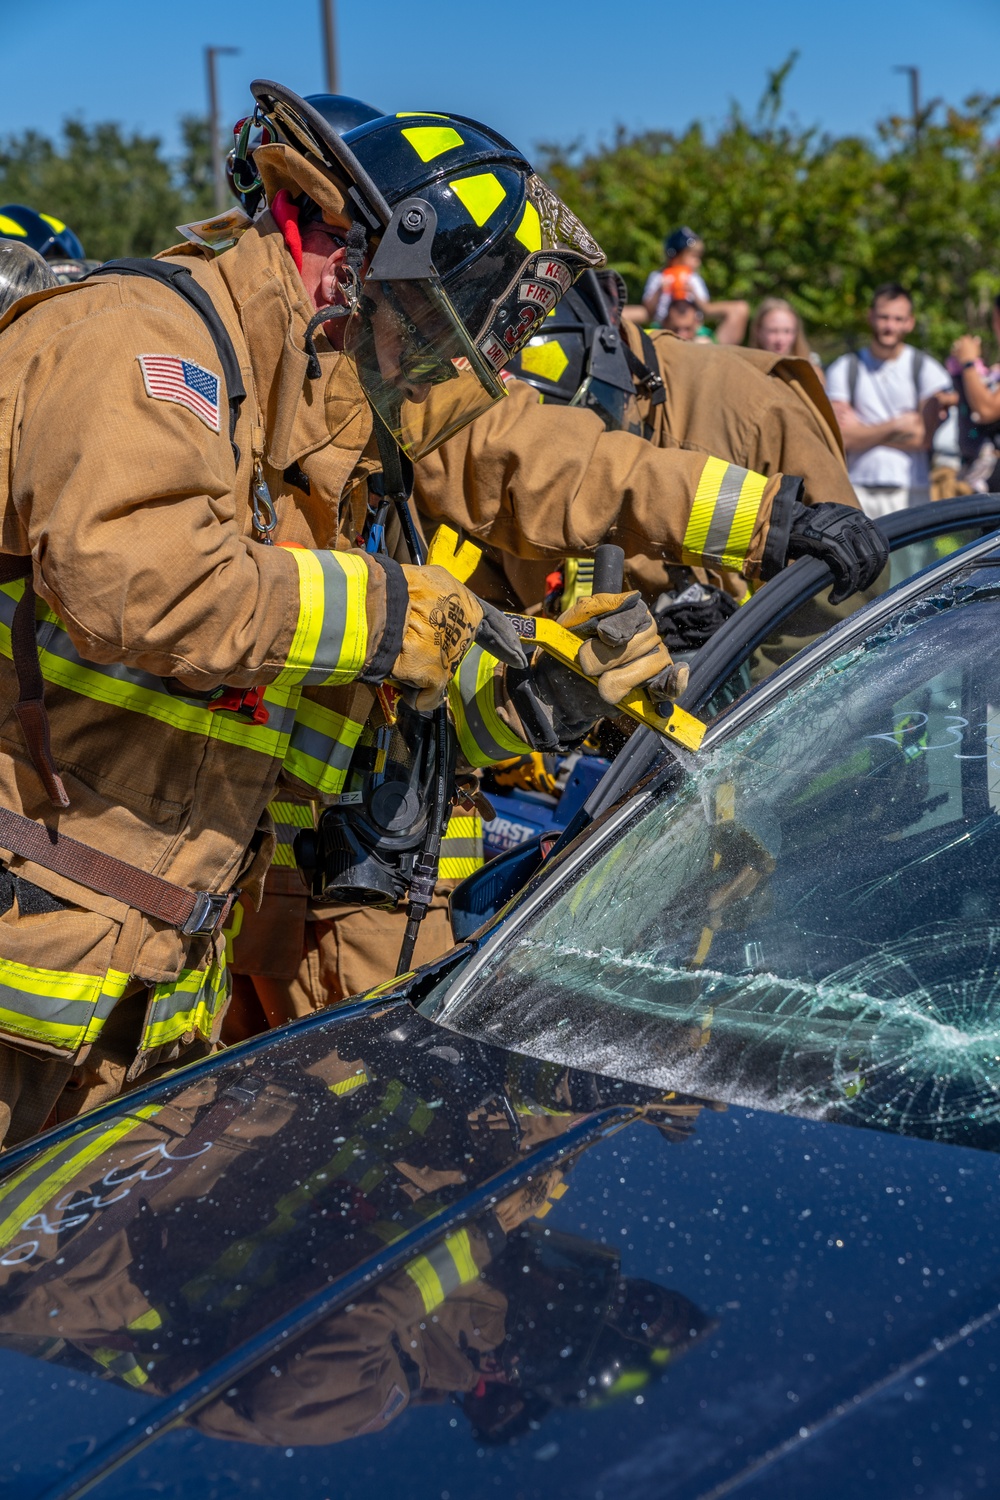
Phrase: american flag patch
pixel 168 378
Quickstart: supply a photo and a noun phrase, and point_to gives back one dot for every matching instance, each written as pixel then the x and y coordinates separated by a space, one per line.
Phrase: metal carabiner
pixel 265 517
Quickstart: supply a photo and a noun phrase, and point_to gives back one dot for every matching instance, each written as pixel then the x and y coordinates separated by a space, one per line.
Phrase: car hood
pixel 319 1260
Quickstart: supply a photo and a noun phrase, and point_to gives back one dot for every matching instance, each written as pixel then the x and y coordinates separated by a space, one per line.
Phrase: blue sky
pixel 560 70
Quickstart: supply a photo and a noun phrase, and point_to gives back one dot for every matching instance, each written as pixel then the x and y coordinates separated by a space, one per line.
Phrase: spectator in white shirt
pixel 885 399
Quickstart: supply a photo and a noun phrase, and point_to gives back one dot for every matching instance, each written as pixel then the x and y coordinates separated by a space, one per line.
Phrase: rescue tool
pixel 461 559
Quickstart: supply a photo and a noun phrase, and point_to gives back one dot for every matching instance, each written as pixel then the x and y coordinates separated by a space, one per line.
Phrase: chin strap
pixel 356 243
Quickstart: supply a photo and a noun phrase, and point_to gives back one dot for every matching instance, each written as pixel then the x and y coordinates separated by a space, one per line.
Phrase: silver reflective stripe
pixel 335 613
pixel 54 640
pixel 461 848
pixel 467 686
pixel 322 747
pixel 443 1264
pixel 724 513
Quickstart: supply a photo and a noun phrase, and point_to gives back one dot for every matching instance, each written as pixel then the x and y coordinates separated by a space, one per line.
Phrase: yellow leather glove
pixel 623 649
pixel 443 618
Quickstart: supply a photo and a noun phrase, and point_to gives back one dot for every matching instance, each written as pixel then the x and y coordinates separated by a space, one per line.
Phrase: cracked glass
pixel 808 923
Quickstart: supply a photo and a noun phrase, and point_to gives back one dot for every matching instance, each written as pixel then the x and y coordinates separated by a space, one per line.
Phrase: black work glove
pixel 687 618
pixel 845 539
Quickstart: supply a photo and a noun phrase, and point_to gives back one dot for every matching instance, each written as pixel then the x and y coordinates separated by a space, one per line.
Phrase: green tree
pixel 116 189
pixel 787 211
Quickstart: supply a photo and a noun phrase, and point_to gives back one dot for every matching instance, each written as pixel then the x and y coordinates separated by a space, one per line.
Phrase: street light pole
pixel 330 45
pixel 218 155
pixel 914 94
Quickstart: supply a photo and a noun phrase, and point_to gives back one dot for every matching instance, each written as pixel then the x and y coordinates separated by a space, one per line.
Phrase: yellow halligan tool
pixel 461 561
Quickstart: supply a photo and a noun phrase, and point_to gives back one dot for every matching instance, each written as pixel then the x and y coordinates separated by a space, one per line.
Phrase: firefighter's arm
pixel 136 517
pixel 545 482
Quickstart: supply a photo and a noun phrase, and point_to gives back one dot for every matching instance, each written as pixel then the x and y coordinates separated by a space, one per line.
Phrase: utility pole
pixel 914 94
pixel 215 144
pixel 330 45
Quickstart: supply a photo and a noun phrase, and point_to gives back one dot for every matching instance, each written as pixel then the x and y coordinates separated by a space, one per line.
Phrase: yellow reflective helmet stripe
pixel 431 141
pixel 529 231
pixel 723 515
pixel 546 358
pixel 56 224
pixel 481 195
pixel 12 227
pixel 482 734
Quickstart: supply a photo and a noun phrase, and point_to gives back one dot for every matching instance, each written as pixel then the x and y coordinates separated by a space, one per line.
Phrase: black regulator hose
pixel 425 866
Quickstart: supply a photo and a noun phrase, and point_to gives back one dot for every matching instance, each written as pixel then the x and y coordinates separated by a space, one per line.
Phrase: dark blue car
pixel 678 1179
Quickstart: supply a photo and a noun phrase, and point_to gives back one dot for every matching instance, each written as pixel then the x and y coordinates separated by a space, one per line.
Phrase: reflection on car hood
pixel 488 1270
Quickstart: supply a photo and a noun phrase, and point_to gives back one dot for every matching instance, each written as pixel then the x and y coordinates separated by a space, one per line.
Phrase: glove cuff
pixel 783 510
pixel 536 716
pixel 397 598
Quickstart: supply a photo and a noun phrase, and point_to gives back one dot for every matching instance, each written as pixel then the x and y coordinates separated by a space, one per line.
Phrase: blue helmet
pixel 41 232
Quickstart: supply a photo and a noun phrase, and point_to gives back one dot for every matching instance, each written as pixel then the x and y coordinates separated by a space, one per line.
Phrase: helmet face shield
pixel 416 363
pixel 617 409
pixel 467 251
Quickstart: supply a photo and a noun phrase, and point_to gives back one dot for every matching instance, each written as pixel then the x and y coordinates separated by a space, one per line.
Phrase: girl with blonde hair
pixel 777 328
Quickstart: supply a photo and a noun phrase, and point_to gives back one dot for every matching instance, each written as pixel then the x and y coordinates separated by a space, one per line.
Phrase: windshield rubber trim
pixel 863 622
pixel 786 593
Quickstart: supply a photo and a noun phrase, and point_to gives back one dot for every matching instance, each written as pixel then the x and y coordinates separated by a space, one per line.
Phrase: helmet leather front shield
pixel 417 365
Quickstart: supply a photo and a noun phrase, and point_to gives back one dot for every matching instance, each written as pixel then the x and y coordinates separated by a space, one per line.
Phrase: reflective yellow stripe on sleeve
pixel 482 734
pixel 443 1269
pixel 289 818
pixel 331 634
pixel 138 692
pixel 723 516
pixel 192 1003
pixel 320 747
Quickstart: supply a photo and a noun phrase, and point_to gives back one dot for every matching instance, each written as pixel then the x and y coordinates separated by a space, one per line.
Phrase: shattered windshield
pixel 810 922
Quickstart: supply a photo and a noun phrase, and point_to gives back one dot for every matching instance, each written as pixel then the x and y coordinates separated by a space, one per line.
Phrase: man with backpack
pixel 885 399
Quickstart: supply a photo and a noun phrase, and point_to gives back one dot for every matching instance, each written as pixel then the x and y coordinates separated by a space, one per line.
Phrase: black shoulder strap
pixel 853 368
pixel 180 280
pixel 647 377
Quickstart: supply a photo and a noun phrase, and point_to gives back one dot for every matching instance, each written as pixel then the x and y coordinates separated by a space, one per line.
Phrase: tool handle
pixel 609 569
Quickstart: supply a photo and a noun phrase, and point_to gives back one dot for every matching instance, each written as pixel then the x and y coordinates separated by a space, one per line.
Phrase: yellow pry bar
pixel 461 562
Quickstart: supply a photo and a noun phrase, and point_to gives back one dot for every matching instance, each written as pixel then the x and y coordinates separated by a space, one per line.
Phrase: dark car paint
pixel 841 1268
